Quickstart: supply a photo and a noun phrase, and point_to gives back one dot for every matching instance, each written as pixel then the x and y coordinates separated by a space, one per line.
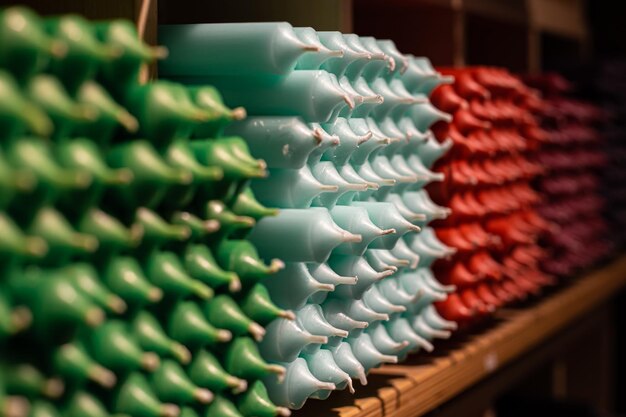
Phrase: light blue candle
pixel 389 48
pixel 349 141
pixel 356 265
pixel 383 342
pixel 282 96
pixel 419 201
pixel 423 329
pixel 396 294
pixel 366 353
pixel 325 274
pixel 415 77
pixel 377 67
pixel 382 259
pixel 326 173
pixel 396 200
pixel 434 320
pixel 402 251
pixel 297 386
pixel 371 99
pixel 431 150
pixel 425 115
pixel 356 220
pixel 428 278
pixel 335 315
pixel 400 329
pixel 342 353
pixel 355 309
pixel 299 235
pixel 291 287
pixel 314 61
pixel 323 366
pixel 231 48
pixel 406 125
pixel 349 174
pixel 290 188
pixel 386 216
pixel 356 68
pixel 284 340
pixel 335 41
pixel 311 318
pixel 327 141
pixel 282 142
pixel 374 299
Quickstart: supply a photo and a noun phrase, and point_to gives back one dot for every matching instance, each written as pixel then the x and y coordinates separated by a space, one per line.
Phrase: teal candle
pixel 423 329
pixel 400 329
pixel 383 342
pixel 415 78
pixel 335 315
pixel 323 366
pixel 381 259
pixel 349 141
pixel 326 173
pixel 371 98
pixel 290 188
pixel 390 49
pixel 386 216
pixel 366 353
pixel 327 141
pixel 374 300
pixel 355 309
pixel 434 320
pixel 402 251
pixel 336 41
pixel 397 200
pixel 282 142
pixel 305 235
pixel 284 96
pixel 359 267
pixel 284 340
pixel 356 220
pixel 314 61
pixel 356 68
pixel 231 48
pixel 376 68
pixel 311 318
pixel 425 115
pixel 396 294
pixel 298 385
pixel 292 286
pixel 342 353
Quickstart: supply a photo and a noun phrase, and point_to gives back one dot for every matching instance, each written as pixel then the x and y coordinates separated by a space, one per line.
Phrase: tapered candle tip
pixel 318 135
pixel 384 141
pixel 362 377
pixel 391 268
pixel 335 140
pixel 280 371
pixel 388 359
pixel 328 188
pixel 348 101
pixel 237 385
pixel 318 339
pixel 373 185
pixel 159 52
pixel 21 318
pixel 311 48
pixel 361 325
pixel 324 287
pixel 348 237
pixel 94 316
pixel 211 226
pixel 170 410
pixel 415 228
pixel 257 331
pixel 14 406
pixel 203 291
pixel 341 333
pixel 376 99
pixel 283 411
pixel 326 386
pixel 365 138
pixel 382 316
pixel 384 232
pixel 287 314
pixel 235 284
pixel 128 121
pixel 53 388
pixel 384 274
pixel 224 335
pixel 203 396
pixel 428 347
pixel 356 187
pixel 155 294
pixel 275 266
pixel 238 113
pixel 181 353
pixel 388 181
pixel 337 53
pixel 58 49
pixel 116 304
pixel 102 376
pixel 150 361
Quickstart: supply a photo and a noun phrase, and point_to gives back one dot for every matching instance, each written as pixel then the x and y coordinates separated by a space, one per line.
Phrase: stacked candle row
pixel 342 122
pixel 494 224
pixel 122 220
pixel 574 156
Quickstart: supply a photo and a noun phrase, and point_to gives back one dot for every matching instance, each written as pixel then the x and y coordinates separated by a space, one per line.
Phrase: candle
pixel 383 342
pixel 232 48
pixel 307 235
pixel 366 353
pixel 342 353
pixel 135 397
pixel 356 220
pixel 291 287
pixel 152 337
pixel 322 365
pixel 285 339
pixel 170 383
pixel 359 267
pixel 284 96
pixel 323 54
pixel 206 371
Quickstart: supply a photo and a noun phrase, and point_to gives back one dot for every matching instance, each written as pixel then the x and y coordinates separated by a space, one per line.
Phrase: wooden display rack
pixel 423 383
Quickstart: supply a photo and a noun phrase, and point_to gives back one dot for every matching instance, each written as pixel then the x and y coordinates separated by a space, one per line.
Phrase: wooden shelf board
pixel 426 381
pixel 559 17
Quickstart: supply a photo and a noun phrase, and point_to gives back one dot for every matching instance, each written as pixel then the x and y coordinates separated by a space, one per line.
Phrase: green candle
pixel 224 313
pixel 85 279
pixel 81 404
pixel 201 265
pixel 221 407
pixel 72 361
pixel 123 275
pixel 113 346
pixel 25 379
pixel 256 403
pixel 246 204
pixel 231 48
pixel 134 397
pixel 242 359
pixel 43 409
pixel 17 113
pixel 171 384
pixel 219 115
pixel 241 257
pixel 206 371
pixel 26 48
pixel 257 305
pixel 151 337
pixel 187 325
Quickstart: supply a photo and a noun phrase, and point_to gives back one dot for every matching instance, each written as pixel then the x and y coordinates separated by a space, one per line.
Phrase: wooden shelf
pixel 425 382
